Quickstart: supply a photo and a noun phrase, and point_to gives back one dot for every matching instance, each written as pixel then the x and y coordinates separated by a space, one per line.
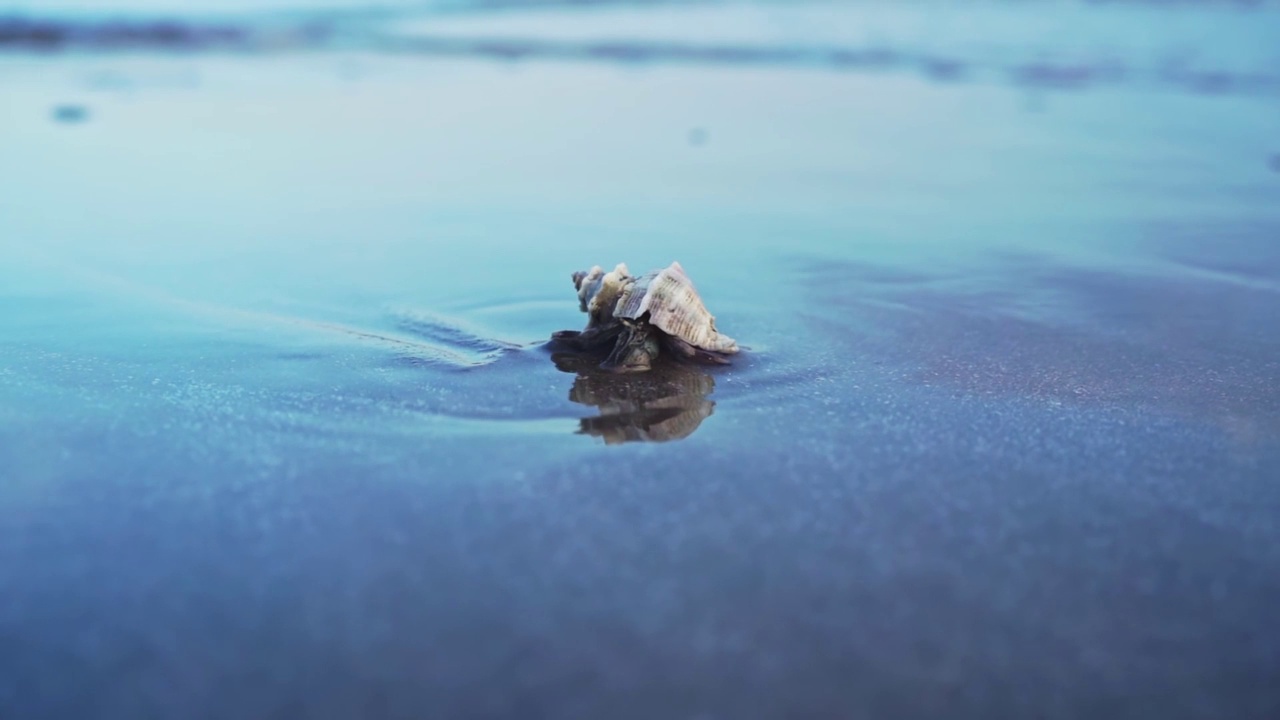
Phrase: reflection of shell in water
pixel 662 405
pixel 674 307
pixel 605 390
pixel 668 419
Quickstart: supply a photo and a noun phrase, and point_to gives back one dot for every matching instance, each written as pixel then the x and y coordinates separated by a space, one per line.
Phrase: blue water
pixel 279 435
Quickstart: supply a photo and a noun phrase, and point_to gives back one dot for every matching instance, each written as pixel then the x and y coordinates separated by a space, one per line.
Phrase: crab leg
pixel 635 349
pixel 592 338
pixel 684 350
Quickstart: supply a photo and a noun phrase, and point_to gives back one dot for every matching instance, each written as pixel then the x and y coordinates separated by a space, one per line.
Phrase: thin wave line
pixel 366 33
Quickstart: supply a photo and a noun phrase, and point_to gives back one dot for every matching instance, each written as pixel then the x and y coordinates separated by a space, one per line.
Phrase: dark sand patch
pixel 1035 329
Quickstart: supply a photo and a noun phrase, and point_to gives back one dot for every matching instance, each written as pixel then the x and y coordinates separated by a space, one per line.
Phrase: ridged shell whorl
pixel 674 307
pixel 598 291
pixel 587 283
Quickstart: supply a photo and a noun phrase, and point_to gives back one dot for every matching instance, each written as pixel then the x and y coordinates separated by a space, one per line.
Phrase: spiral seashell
pixel 639 318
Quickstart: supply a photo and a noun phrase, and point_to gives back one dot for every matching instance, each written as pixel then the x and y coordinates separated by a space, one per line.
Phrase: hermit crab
pixel 639 317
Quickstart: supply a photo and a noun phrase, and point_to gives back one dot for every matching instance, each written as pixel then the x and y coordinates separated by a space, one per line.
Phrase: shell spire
pixel 598 291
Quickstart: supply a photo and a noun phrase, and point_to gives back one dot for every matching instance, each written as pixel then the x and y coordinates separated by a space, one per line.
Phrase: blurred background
pixel 280 436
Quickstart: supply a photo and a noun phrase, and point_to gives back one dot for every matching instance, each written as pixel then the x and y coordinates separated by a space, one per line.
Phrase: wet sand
pixel 280 434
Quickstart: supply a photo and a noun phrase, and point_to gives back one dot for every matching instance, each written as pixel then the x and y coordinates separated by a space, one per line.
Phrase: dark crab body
pixel 638 318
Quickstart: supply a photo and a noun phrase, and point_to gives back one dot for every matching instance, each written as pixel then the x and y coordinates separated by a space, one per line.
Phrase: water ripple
pixel 1108 47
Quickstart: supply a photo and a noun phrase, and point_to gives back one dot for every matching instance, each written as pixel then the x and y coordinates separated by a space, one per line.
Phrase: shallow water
pixel 280 434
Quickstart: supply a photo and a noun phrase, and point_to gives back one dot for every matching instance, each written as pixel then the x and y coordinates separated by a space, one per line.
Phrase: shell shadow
pixel 666 403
